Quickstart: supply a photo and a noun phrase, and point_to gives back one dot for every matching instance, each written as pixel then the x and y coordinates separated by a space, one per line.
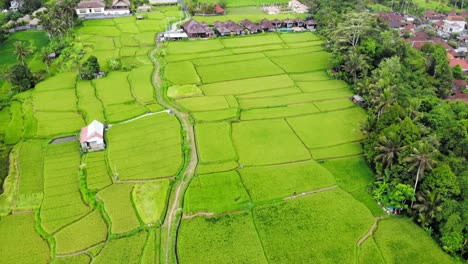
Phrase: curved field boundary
pixel 371 231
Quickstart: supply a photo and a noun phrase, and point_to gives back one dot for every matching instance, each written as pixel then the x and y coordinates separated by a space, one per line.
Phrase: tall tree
pixel 428 206
pixel 21 51
pixel 355 63
pixel 45 57
pixel 422 158
pixel 352 30
pixel 388 150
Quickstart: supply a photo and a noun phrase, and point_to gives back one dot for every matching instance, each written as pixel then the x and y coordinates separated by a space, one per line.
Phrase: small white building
pixel 97 8
pixel 85 8
pixel 92 137
pixel 454 24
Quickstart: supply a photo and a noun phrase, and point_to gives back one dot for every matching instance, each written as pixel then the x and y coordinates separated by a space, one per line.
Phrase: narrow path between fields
pixel 172 219
pixel 140 116
pixel 371 231
pixel 310 192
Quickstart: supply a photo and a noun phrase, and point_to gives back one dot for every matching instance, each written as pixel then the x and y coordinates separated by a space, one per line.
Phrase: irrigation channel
pixel 174 211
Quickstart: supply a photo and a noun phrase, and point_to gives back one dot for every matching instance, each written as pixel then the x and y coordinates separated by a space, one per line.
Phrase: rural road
pixel 171 221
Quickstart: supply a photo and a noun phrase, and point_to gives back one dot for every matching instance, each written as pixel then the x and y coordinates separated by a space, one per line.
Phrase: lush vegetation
pixel 415 141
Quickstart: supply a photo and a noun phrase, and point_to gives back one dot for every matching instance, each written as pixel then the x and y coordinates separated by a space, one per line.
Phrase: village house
pixel 221 29
pixel 97 8
pixel 234 28
pixel 310 24
pixel 289 23
pixel 266 25
pixel 197 30
pixel 454 24
pixel 277 23
pixel 463 64
pixel 298 22
pixel 144 8
pixel 92 137
pixel 251 27
pixel 394 20
pixel 219 10
pixel 432 16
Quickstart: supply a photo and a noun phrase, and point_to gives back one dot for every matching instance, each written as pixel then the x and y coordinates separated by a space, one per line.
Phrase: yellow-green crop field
pixel 280 175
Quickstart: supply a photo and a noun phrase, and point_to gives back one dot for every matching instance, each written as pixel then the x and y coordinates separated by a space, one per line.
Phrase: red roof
pixel 459 83
pixel 455 18
pixel 94 130
pixel 219 9
pixel 462 63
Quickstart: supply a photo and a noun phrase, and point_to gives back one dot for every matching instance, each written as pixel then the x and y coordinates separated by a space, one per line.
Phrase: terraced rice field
pixel 72 207
pixel 280 177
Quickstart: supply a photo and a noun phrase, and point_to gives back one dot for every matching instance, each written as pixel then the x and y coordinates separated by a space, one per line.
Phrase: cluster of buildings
pixel 443 29
pixel 194 29
pixel 26 22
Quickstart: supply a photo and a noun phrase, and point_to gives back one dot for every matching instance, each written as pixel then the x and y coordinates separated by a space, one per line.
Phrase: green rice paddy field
pixel 280 177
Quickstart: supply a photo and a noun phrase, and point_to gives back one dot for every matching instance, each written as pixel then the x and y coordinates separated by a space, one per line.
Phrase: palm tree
pixel 427 206
pixel 388 150
pixel 422 158
pixel 355 63
pixel 21 51
pixel 382 100
pixel 46 58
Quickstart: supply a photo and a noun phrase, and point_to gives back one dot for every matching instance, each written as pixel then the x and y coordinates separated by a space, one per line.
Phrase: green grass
pixel 182 91
pixel 294 98
pixel 58 123
pixel 309 76
pixel 62 202
pixel 330 128
pixel 354 176
pixel 227 59
pixel 181 73
pixel 235 3
pixel 114 88
pixel 34 39
pixel 299 37
pixel 101 43
pixel 145 38
pixel 30 160
pixel 303 62
pixel 268 93
pixel 217 115
pixel 267 142
pixel 121 112
pixel 343 150
pixel 196 56
pixel 204 103
pixel 214 142
pixel 398 235
pixel 370 253
pixel 331 105
pixel 309 87
pixel 123 250
pixel 88 102
pixel 64 80
pixel 87 232
pixel 265 183
pixel 322 226
pixel 20 241
pixel 118 205
pixel 256 49
pixel 150 251
pixel 216 167
pixel 247 85
pixel 238 70
pixel 230 238
pixel 150 25
pixel 140 81
pixel 217 193
pixel 185 47
pixel 4 119
pixel 130 143
pixel 128 28
pixel 75 259
pixel 60 100
pixel 278 112
pixel 106 31
pixel 150 200
pixel 14 129
pixel 293 51
pixel 253 40
pixel 97 176
pixel 128 40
